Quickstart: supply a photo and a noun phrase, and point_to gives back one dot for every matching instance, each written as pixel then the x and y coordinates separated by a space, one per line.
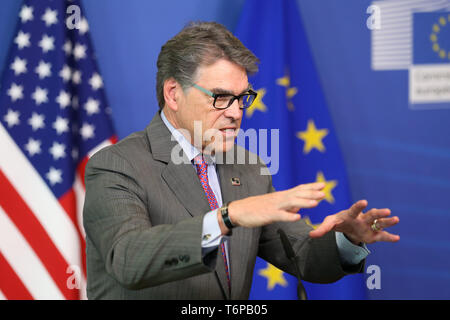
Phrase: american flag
pixel 53 117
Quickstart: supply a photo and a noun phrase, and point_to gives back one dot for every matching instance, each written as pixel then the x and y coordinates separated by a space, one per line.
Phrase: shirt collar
pixel 189 150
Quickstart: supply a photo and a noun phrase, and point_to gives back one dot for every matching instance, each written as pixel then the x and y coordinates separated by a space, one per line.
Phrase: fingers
pixel 357 208
pixel 311 186
pixel 373 214
pixel 387 222
pixel 381 216
pixel 304 195
pixel 326 226
pixel 285 216
pixel 299 199
pixel 386 236
pixel 309 194
pixel 383 223
pixel 299 203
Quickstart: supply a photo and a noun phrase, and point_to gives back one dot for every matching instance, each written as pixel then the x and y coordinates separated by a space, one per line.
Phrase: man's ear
pixel 171 90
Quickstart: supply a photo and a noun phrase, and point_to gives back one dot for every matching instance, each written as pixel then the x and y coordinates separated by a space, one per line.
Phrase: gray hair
pixel 199 43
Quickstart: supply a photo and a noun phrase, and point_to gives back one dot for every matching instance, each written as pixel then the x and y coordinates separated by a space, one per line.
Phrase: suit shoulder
pixel 130 145
pixel 126 149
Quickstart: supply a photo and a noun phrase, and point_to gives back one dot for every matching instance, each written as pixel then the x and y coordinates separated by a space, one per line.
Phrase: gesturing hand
pixel 357 226
pixel 276 206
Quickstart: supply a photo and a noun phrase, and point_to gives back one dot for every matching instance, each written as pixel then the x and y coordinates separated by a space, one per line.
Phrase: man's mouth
pixel 228 132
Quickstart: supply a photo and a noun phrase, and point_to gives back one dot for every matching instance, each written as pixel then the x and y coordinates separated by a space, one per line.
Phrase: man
pixel 165 219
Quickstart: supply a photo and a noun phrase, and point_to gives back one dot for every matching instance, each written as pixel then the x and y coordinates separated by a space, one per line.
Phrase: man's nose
pixel 234 111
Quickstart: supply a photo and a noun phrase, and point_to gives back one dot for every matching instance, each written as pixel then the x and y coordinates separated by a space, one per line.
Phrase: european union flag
pixel 291 100
pixel 431 34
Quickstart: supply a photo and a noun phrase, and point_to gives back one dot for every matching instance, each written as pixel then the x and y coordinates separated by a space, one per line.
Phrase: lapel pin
pixel 235 182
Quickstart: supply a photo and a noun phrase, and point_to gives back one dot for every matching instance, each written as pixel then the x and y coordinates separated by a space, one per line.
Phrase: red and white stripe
pixel 41 237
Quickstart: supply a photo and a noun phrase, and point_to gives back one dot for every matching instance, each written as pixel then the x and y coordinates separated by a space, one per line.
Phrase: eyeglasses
pixel 225 100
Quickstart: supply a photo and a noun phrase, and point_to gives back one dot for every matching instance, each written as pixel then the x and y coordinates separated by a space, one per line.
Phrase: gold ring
pixel 374 226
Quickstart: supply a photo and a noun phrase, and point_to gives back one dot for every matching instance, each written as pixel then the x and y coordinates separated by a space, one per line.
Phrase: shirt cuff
pixel 211 234
pixel 349 253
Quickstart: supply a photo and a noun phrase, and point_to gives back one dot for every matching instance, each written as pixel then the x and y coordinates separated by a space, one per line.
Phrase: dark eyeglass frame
pixel 218 95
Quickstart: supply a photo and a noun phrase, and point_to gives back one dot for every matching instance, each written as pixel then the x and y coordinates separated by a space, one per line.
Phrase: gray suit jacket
pixel 143 218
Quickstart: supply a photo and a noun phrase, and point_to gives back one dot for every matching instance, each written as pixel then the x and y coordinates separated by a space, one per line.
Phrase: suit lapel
pixel 183 181
pixel 181 178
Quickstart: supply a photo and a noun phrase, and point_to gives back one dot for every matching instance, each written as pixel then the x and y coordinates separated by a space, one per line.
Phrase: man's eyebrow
pixel 224 91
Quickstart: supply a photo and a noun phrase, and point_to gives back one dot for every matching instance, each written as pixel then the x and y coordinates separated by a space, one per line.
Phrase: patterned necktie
pixel 202 172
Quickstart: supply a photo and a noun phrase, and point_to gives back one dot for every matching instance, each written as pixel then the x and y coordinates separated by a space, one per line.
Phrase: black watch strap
pixel 225 216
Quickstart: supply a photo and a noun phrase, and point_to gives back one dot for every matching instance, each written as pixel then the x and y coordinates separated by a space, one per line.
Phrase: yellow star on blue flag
pixel 258 104
pixel 274 276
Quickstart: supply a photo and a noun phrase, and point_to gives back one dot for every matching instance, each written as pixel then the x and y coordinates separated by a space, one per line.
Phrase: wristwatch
pixel 225 217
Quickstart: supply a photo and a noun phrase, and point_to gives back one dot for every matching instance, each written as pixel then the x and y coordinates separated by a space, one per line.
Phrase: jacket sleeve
pixel 117 222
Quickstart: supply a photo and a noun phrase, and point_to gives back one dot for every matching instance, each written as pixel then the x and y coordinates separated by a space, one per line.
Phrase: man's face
pixel 196 107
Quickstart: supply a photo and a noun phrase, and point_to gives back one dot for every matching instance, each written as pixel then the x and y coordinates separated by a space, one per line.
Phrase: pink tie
pixel 202 172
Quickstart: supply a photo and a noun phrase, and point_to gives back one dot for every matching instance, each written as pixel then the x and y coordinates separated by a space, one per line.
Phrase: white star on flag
pixel 43 69
pixel 33 147
pixel 57 150
pixel 61 125
pixel 19 66
pixel 36 121
pixel 79 52
pixel 15 92
pixel 67 47
pixel 96 81
pixel 87 131
pixel 76 77
pixel 26 14
pixel 47 43
pixel 65 73
pixel 83 26
pixel 54 176
pixel 63 99
pixel 50 17
pixel 22 40
pixel 12 118
pixel 92 106
pixel 40 95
